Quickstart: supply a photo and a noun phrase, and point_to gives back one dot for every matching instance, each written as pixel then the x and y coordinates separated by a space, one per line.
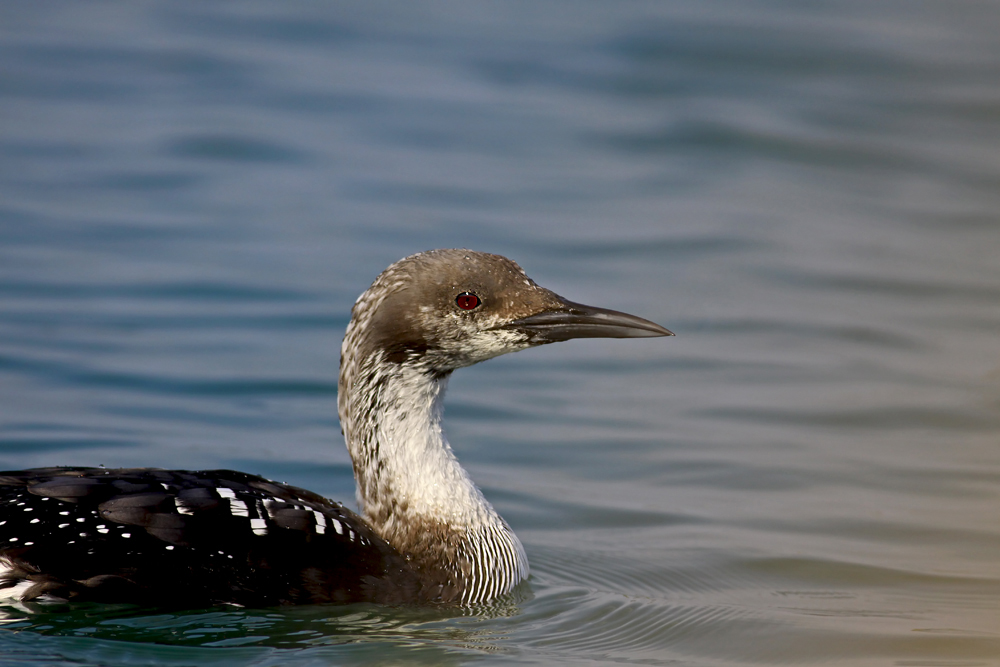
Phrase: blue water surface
pixel 192 195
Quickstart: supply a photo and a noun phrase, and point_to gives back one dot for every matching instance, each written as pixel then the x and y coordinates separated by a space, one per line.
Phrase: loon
pixel 426 533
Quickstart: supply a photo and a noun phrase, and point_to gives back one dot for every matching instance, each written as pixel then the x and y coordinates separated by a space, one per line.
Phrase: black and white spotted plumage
pixel 189 538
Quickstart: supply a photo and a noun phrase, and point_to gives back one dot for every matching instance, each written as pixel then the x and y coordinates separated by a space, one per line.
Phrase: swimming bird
pixel 426 533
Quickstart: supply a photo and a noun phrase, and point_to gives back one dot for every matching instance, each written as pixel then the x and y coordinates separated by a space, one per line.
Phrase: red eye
pixel 467 301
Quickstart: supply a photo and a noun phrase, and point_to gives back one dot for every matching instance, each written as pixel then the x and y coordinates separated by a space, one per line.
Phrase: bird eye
pixel 467 301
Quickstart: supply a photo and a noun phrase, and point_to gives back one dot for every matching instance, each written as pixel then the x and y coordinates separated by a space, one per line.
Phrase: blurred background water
pixel 192 194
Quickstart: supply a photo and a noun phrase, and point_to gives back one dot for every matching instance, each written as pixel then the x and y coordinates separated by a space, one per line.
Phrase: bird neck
pixel 413 490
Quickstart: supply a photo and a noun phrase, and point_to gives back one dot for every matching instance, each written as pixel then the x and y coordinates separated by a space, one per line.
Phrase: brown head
pixel 445 309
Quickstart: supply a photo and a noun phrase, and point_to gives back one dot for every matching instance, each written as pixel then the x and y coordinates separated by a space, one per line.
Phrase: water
pixel 192 194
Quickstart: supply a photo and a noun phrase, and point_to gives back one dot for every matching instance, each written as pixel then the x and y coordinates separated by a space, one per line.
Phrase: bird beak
pixel 574 320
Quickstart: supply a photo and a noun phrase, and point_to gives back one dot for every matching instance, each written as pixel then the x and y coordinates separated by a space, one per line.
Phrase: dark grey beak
pixel 575 320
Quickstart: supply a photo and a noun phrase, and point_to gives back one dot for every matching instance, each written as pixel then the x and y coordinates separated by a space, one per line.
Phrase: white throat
pixel 413 490
pixel 419 475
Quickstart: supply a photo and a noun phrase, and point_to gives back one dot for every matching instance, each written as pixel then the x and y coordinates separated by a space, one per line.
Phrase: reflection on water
pixel 191 196
pixel 298 627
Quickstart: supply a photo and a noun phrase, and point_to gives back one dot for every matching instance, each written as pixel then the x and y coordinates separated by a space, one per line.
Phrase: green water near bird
pixel 193 194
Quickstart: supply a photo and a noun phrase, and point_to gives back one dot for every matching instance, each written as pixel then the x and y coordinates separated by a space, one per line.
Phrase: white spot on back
pixel 320 522
pixel 182 508
pixel 259 527
pixel 238 508
pixel 225 493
